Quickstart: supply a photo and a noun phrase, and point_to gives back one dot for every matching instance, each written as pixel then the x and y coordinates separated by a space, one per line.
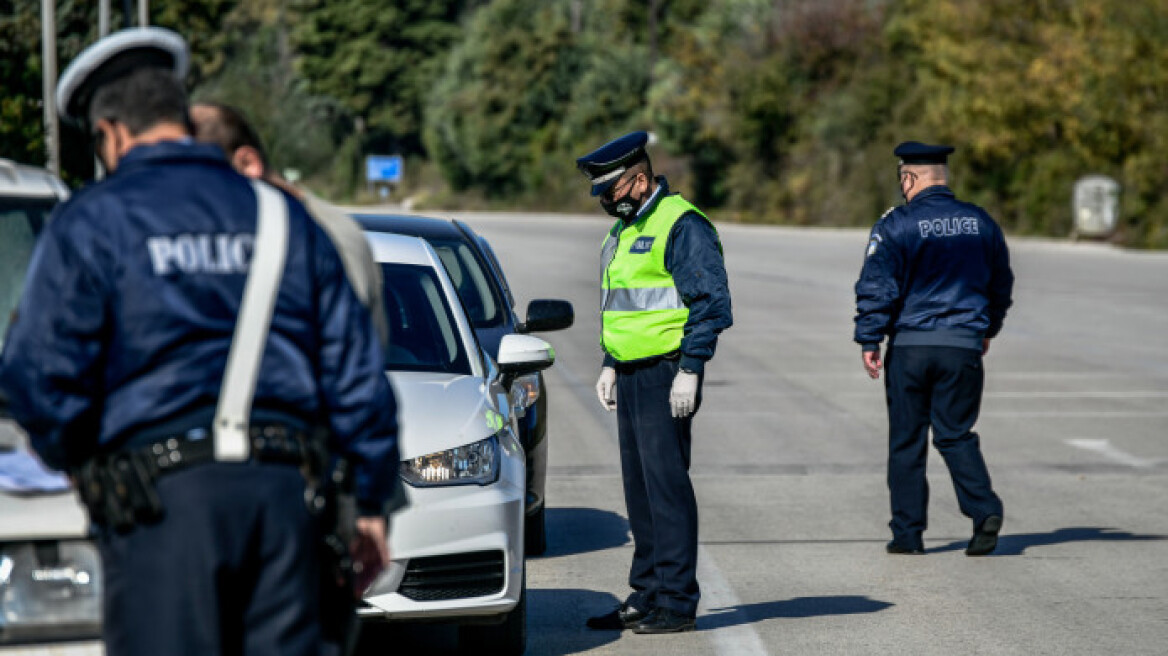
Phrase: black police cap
pixel 114 57
pixel 915 152
pixel 605 165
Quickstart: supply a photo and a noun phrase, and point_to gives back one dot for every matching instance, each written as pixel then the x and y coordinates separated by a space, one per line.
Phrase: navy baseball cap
pixel 915 152
pixel 114 57
pixel 604 166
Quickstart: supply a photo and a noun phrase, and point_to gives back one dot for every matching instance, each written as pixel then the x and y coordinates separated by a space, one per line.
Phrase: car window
pixel 423 334
pixel 483 305
pixel 21 220
pixel 493 261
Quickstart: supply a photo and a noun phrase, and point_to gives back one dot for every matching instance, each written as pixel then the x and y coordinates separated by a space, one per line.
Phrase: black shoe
pixel 985 538
pixel 665 620
pixel 619 619
pixel 895 547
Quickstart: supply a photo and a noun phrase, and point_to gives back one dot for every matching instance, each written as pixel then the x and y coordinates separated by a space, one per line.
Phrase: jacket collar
pixel 929 192
pixel 185 150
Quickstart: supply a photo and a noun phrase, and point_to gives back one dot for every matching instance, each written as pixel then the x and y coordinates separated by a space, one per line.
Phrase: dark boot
pixel 665 620
pixel 623 617
pixel 985 538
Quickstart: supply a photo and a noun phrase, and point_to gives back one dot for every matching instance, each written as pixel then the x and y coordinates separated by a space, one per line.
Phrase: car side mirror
pixel 544 315
pixel 524 354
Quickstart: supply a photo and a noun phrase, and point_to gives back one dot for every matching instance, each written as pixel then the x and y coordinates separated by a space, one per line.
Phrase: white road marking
pixel 1105 448
pixel 1093 394
pixel 734 640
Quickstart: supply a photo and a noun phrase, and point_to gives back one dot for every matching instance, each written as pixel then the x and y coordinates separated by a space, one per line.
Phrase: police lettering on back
pixel 951 227
pixel 201 253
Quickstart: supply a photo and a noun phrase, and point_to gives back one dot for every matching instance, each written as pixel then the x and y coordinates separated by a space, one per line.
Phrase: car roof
pixel 29 182
pixel 426 227
pixel 402 249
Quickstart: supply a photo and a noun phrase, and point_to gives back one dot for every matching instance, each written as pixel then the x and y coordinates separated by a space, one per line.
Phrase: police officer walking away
pixel 937 282
pixel 123 342
pixel 664 300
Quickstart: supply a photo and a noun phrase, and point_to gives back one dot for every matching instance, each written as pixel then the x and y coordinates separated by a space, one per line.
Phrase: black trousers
pixel 938 387
pixel 659 497
pixel 231 568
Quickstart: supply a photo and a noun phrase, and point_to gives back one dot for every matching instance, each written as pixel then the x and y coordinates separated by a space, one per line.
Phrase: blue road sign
pixel 383 168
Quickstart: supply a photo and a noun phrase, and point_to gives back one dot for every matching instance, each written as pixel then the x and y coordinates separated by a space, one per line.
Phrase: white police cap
pixel 113 57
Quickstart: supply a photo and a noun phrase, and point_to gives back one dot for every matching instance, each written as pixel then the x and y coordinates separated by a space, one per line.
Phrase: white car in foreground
pixel 50 574
pixel 457 548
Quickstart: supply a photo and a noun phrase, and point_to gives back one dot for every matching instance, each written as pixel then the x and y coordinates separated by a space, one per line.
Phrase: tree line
pixel 770 111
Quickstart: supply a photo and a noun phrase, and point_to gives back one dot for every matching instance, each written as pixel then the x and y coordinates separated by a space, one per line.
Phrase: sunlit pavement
pixel 789 464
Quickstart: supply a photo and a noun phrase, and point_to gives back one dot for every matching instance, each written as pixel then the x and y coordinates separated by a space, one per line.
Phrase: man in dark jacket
pixel 937 282
pixel 118 355
pixel 664 300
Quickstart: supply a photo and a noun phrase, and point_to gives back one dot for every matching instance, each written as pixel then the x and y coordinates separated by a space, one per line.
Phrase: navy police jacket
pixel 937 273
pixel 694 259
pixel 130 304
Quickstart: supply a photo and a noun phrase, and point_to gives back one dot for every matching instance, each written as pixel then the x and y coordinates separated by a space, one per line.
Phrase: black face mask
pixel 623 208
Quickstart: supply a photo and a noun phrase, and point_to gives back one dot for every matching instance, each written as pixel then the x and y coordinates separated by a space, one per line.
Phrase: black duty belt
pixel 118 488
pixel 277 443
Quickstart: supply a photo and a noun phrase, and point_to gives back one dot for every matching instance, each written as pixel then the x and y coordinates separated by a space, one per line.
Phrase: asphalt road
pixel 789 466
pixel 789 456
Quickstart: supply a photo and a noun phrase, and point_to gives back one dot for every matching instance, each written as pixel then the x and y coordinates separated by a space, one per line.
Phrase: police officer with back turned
pixel 124 339
pixel 937 282
pixel 664 300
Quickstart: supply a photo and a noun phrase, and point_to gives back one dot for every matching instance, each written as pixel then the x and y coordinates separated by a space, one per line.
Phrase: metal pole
pixel 103 28
pixel 103 18
pixel 143 13
pixel 49 79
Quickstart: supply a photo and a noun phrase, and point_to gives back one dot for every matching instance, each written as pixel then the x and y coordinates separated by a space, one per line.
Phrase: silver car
pixel 458 548
pixel 50 574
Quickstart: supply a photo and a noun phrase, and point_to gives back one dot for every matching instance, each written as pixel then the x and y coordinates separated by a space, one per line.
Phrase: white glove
pixel 684 394
pixel 606 388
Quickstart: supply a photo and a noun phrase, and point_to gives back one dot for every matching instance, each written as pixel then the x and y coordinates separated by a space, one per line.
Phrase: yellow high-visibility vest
pixel 642 314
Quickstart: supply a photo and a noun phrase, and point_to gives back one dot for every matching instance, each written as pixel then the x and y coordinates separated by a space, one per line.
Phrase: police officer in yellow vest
pixel 664 300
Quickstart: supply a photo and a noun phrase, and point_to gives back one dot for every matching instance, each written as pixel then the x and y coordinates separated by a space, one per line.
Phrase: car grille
pixel 440 578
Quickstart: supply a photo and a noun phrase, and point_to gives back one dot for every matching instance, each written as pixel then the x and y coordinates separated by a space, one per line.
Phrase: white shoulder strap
pixel 232 442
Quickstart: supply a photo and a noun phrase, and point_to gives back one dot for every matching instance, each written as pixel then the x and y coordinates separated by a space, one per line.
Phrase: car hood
pixel 41 517
pixel 35 515
pixel 439 411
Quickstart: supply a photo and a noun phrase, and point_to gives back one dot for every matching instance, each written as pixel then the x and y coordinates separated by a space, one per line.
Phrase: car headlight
pixel 473 464
pixel 49 590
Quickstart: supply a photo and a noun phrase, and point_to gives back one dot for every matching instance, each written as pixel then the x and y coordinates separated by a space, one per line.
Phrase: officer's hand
pixel 606 388
pixel 873 363
pixel 683 395
pixel 985 346
pixel 370 551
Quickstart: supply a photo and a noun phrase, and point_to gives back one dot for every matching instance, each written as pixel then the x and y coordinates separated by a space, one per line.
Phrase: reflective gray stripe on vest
pixel 607 254
pixel 643 299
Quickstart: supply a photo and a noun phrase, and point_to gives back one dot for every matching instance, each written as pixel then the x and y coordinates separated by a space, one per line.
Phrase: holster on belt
pixel 331 499
pixel 118 490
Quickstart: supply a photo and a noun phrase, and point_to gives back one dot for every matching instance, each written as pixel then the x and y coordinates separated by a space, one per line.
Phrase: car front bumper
pixel 457 552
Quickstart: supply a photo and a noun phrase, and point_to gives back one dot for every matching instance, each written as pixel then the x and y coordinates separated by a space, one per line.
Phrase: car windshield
pixel 423 335
pixel 21 220
pixel 483 305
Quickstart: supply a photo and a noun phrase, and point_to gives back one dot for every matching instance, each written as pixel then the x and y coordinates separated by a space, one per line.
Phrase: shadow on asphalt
pixel 720 618
pixel 555 621
pixel 1017 544
pixel 555 627
pixel 574 531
